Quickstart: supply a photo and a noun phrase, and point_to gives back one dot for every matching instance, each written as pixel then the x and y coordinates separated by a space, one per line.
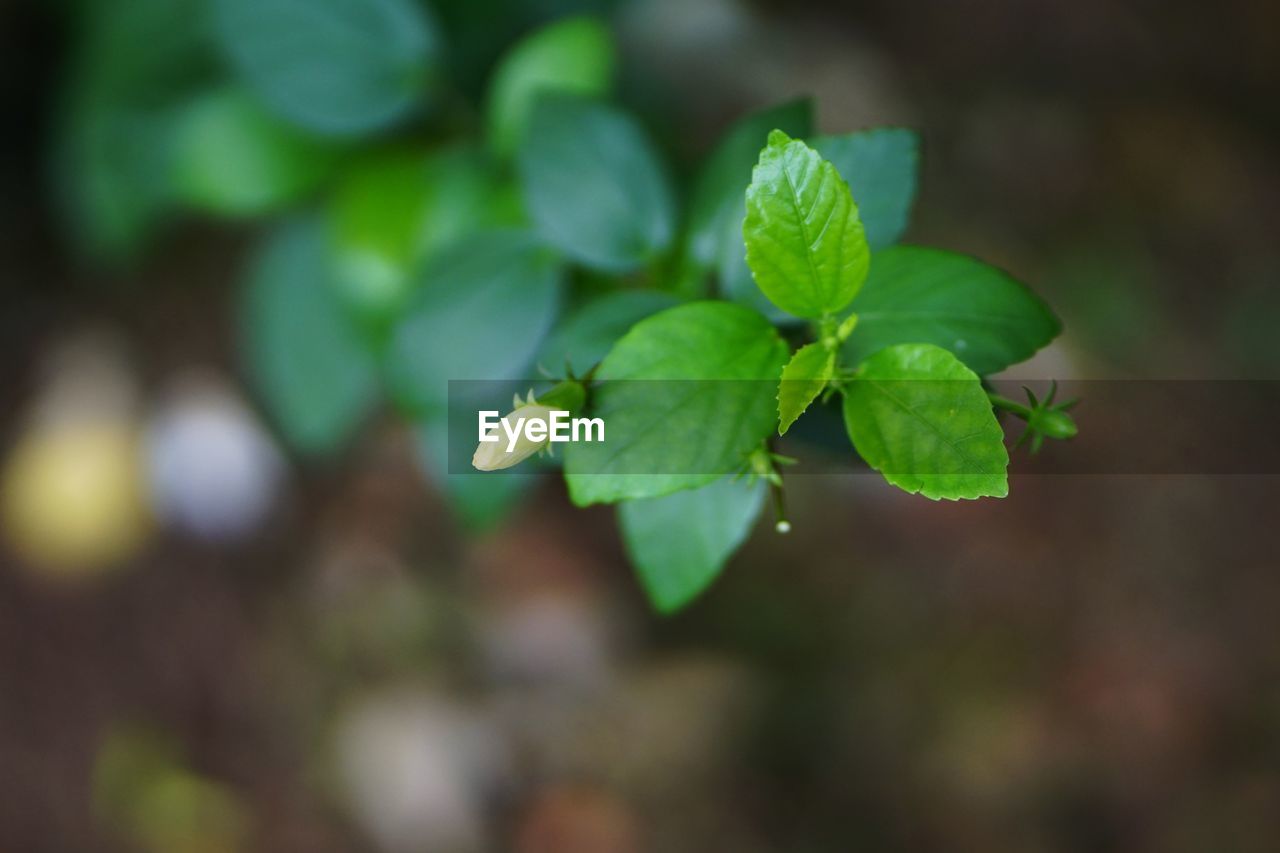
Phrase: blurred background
pixel 221 631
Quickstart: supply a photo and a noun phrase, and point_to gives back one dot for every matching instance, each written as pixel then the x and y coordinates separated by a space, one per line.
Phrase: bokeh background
pixel 225 645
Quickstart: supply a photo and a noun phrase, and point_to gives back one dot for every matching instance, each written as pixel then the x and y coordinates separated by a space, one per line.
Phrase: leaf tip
pixel 778 138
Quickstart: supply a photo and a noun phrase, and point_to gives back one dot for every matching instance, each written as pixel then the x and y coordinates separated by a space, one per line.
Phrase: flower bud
pixel 1053 423
pixel 513 445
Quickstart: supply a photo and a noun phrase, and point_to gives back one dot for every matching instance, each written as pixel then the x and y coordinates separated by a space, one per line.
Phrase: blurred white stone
pixel 214 471
pixel 415 768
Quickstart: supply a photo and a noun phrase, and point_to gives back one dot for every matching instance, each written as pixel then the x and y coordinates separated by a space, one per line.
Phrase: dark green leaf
pixel 114 167
pixel 133 64
pixel 680 543
pixel 483 308
pixel 687 394
pixel 480 500
pixel 340 67
pixel 593 184
pixel 586 336
pixel 736 282
pixel 717 205
pixel 979 313
pixel 921 418
pixel 880 167
pixel 304 356
pixel 143 53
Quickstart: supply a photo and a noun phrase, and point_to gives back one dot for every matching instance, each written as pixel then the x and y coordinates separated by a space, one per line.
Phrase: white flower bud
pixel 509 441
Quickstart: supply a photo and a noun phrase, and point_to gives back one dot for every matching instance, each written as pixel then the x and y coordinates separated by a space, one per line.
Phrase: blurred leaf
pixel 114 175
pixel 341 67
pixel 593 184
pixel 233 157
pixel 803 379
pixel 141 52
pixel 736 281
pixel 377 227
pixel 468 194
pixel 304 355
pixel 921 418
pixel 480 34
pixel 480 500
pixel 981 314
pixel 717 205
pixel 133 62
pixel 142 790
pixel 128 758
pixel 574 55
pixel 483 307
pixel 585 337
pixel 395 208
pixel 1111 290
pixel 181 812
pixel 680 543
pixel 684 431
pixel 880 167
pixel 1247 332
pixel 805 244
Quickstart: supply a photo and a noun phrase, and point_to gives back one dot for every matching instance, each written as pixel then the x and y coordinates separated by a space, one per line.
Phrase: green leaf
pixel 880 167
pixel 305 357
pixel 115 128
pixel 142 52
pixel 593 184
pixel 979 313
pixel 680 543
pixel 921 418
pixel 804 242
pixel 231 157
pixel 340 67
pixel 717 206
pixel 803 379
pixel 686 395
pixel 574 55
pixel 396 207
pixel 113 165
pixel 469 193
pixel 376 227
pixel 585 337
pixel 482 309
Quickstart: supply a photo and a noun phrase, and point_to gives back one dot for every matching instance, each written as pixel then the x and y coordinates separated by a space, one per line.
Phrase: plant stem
pixel 782 525
pixel 1005 404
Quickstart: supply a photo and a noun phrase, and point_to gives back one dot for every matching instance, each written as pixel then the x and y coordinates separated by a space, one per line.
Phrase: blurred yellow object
pixel 143 790
pixel 74 496
pixel 184 813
